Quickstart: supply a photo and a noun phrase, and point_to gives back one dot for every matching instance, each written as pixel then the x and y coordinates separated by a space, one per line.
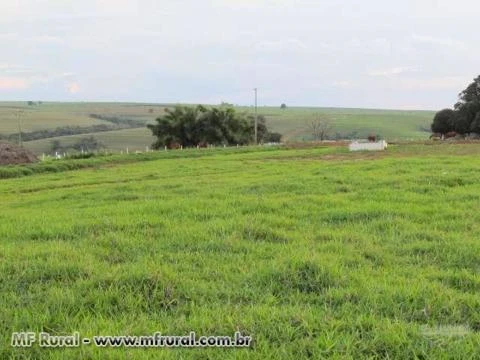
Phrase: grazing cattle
pixel 174 146
pixel 450 134
pixel 372 138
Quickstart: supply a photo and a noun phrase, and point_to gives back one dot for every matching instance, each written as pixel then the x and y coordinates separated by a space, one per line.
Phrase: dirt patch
pixel 11 154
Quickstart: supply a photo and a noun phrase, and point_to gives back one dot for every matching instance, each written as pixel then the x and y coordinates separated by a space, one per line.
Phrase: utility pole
pixel 19 115
pixel 256 118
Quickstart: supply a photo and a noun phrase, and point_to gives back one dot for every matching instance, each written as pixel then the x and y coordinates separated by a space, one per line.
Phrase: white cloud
pixel 35 9
pixel 290 44
pixel 393 71
pixel 452 83
pixel 27 38
pixel 45 39
pixel 7 66
pixel 16 69
pixel 435 40
pixel 345 84
pixel 8 36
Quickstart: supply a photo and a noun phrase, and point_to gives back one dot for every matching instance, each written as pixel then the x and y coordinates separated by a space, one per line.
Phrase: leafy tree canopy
pixel 443 121
pixel 464 118
pixel 192 126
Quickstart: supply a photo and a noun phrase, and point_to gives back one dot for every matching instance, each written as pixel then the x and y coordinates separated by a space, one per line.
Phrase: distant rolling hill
pixel 130 131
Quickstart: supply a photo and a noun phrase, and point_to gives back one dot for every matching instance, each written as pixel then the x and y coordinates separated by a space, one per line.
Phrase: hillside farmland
pixel 291 122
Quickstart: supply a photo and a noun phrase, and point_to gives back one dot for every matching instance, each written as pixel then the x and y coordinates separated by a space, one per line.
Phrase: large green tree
pixel 443 122
pixel 191 126
pixel 475 125
pixel 464 118
pixel 471 95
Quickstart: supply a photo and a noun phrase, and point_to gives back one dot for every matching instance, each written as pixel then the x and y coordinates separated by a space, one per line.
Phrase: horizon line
pixel 200 103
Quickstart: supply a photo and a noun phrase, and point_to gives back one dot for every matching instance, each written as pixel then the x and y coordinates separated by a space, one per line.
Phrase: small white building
pixel 368 146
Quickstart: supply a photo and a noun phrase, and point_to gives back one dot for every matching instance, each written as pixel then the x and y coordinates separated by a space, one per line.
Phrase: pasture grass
pixel 137 139
pixel 315 253
pixel 294 122
pixel 45 116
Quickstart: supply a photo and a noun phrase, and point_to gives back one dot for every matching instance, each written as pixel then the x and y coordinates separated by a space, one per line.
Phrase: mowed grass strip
pixel 315 257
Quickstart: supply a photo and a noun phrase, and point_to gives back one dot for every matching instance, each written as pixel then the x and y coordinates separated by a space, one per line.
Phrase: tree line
pixel 116 124
pixel 86 144
pixel 464 118
pixel 125 123
pixel 57 132
pixel 189 126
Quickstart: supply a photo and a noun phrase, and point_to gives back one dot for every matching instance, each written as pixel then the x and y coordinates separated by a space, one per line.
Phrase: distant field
pixel 292 122
pixel 51 115
pixel 316 253
pixel 40 117
pixel 120 140
pixel 390 124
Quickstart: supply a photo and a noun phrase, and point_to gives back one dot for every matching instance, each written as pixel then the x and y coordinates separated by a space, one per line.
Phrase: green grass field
pixel 115 141
pixel 292 122
pixel 315 253
pixel 390 124
pixel 51 115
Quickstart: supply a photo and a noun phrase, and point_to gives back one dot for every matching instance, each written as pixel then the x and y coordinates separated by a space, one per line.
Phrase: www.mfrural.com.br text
pixel 155 340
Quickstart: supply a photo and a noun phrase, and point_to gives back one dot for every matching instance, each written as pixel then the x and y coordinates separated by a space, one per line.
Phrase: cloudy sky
pixel 409 54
